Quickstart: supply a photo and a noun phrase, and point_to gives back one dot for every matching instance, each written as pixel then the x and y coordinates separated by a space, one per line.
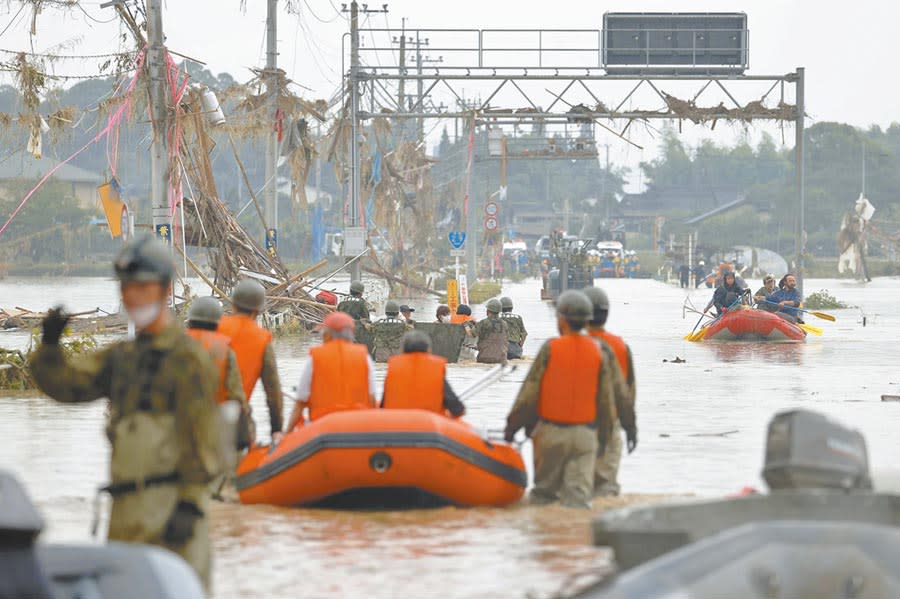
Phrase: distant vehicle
pixel 542 247
pixel 611 259
pixel 516 245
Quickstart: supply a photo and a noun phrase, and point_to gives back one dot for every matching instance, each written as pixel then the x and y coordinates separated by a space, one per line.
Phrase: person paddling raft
pixel 787 300
pixel 727 293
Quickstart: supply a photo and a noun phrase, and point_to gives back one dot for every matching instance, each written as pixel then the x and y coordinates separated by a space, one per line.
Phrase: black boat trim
pixel 380 440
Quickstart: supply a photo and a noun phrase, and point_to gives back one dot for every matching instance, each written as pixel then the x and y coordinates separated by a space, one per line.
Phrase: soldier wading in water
pixel 163 419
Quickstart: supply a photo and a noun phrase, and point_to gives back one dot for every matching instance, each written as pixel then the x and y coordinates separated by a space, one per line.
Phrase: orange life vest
pixel 569 385
pixel 249 341
pixel 619 347
pixel 460 318
pixel 415 381
pixel 340 379
pixel 218 346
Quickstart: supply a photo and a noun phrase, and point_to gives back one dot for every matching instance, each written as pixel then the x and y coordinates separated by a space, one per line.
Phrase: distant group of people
pixel 783 299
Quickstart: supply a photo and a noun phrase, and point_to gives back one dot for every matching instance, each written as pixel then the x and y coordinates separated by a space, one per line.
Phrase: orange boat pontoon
pixel 381 459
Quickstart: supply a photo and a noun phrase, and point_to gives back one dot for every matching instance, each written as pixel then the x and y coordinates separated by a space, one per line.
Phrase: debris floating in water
pixel 677 360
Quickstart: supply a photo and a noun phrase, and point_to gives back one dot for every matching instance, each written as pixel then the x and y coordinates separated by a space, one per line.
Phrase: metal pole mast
pixel 159 158
pixel 353 212
pixel 420 130
pixel 271 210
pixel 401 85
pixel 801 191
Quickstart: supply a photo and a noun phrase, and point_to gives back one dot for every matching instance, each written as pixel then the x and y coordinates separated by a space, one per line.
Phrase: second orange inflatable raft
pixel 378 459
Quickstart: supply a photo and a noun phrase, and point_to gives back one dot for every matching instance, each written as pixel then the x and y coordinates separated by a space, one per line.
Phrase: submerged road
pixel 701 431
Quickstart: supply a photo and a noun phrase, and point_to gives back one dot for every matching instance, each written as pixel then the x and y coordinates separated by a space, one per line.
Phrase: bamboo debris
pixel 231 249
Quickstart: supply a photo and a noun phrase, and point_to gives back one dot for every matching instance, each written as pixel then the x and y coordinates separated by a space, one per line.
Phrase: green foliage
pixel 14 375
pixel 766 174
pixel 823 300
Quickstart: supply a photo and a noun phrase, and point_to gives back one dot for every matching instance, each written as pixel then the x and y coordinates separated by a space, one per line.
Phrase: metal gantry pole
pixel 353 211
pixel 271 203
pixel 159 113
pixel 801 178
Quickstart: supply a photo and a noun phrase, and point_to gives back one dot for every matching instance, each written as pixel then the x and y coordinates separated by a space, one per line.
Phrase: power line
pixel 320 19
pixel 13 20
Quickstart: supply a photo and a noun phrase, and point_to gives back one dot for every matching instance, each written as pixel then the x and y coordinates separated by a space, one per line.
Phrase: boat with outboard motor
pixel 383 459
pixel 52 571
pixel 820 532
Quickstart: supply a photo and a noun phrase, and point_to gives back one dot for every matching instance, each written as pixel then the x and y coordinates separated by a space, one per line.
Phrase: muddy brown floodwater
pixel 702 425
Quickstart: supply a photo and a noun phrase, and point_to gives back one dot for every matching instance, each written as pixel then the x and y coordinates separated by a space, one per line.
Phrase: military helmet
pixel 391 308
pixel 249 295
pixel 357 287
pixel 145 260
pixel 205 309
pixel 494 306
pixel 574 305
pixel 598 298
pixel 506 303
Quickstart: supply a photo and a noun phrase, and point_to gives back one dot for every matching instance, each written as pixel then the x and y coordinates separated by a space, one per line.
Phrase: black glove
pixel 180 526
pixel 509 434
pixel 53 325
pixel 631 438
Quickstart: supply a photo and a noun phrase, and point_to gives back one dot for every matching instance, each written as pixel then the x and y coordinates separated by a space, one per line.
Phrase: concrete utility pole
pixel 271 203
pixel 801 178
pixel 603 188
pixel 401 85
pixel 353 211
pixel 159 113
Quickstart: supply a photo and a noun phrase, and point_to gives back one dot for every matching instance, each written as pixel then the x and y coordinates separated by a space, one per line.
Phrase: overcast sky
pixel 849 49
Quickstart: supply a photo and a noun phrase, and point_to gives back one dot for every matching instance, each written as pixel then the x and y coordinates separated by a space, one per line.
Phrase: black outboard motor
pixel 20 525
pixel 807 450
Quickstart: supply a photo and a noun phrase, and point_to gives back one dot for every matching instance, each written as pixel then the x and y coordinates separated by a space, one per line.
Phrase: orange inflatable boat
pixel 383 459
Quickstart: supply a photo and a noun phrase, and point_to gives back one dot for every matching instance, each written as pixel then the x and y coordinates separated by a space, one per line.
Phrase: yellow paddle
pixel 821 315
pixel 811 329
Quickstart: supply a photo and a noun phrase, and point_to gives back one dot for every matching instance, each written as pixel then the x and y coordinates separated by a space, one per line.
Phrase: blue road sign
pixel 164 233
pixel 457 239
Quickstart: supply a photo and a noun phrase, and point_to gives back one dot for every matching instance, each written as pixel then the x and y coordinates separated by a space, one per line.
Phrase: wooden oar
pixel 821 315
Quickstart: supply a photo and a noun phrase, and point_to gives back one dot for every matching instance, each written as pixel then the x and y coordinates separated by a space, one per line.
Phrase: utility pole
pixel 272 84
pixel 353 212
pixel 420 129
pixel 159 113
pixel 401 85
pixel 603 188
pixel 800 246
pixel 355 237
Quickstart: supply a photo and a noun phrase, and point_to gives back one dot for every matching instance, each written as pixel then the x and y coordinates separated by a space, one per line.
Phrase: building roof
pixel 22 165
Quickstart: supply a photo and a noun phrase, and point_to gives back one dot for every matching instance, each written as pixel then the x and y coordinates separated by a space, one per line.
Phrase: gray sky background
pixel 848 49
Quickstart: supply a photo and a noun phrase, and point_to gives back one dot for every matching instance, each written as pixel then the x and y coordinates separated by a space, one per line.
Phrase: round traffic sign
pixel 491 223
pixel 491 209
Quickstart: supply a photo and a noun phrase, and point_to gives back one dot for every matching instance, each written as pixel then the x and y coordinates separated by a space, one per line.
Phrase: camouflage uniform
pixel 272 386
pixel 549 466
pixel 389 337
pixel 515 334
pixel 492 340
pixel 169 381
pixel 606 469
pixel 356 307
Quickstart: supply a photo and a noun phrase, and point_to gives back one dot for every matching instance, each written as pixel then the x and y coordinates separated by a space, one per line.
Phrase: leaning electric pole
pixel 272 91
pixel 159 114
